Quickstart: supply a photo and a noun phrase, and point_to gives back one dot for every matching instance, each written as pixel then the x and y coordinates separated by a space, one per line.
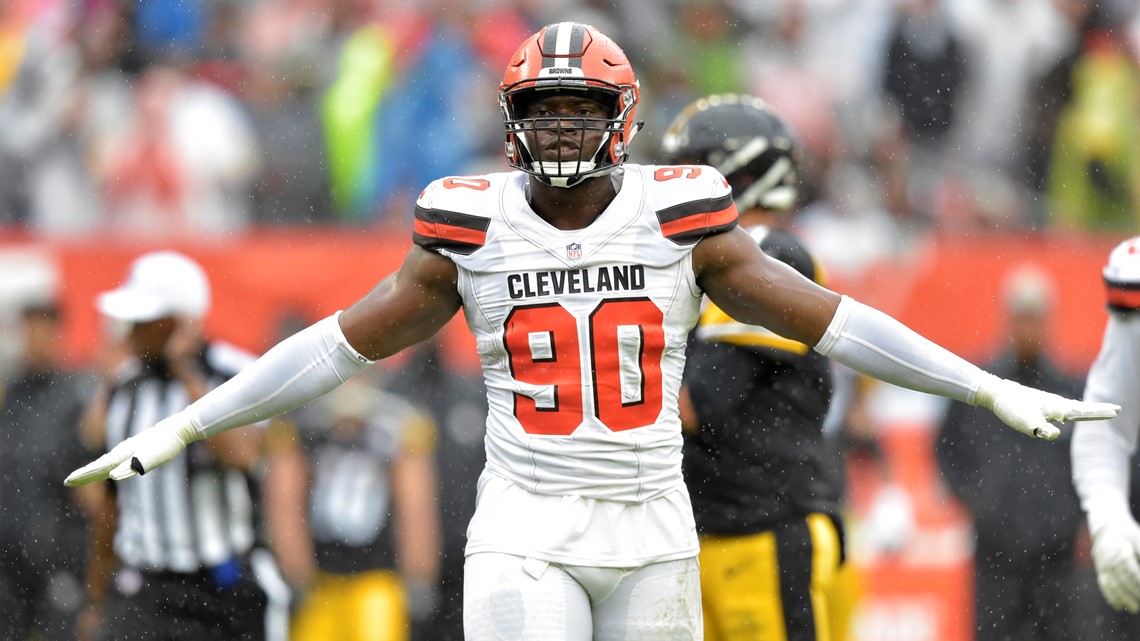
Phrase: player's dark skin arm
pixel 407 307
pixel 755 288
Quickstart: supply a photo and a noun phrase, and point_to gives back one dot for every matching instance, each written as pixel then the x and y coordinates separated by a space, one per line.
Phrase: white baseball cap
pixel 160 284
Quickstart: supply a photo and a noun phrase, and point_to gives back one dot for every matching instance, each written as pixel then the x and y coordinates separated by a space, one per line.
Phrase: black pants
pixel 1028 600
pixel 187 607
pixel 40 594
pixel 1094 617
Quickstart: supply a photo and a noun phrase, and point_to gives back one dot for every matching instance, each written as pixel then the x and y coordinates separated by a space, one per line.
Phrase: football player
pixel 767 507
pixel 580 276
pixel 372 515
pixel 1102 458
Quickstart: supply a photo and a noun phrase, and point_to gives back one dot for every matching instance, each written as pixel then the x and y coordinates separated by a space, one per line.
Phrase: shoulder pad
pixel 691 202
pixel 453 213
pixel 1122 276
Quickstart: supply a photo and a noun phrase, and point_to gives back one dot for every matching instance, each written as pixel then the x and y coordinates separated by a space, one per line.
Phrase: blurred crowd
pixel 162 120
pixel 153 118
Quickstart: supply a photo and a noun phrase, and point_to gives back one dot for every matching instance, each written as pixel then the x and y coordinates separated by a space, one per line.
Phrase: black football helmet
pixel 743 139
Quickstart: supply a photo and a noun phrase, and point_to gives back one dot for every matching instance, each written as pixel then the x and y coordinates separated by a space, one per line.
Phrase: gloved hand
pixel 140 453
pixel 1029 410
pixel 1116 554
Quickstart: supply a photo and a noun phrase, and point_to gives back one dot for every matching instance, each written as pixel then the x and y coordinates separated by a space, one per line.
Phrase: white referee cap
pixel 160 284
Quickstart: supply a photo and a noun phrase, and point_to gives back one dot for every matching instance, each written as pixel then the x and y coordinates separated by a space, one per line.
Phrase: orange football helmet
pixel 565 57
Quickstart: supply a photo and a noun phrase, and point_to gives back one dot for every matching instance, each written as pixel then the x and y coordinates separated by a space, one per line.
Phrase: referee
pixel 181 541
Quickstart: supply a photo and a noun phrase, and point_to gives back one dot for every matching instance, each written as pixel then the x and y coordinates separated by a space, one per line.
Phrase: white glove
pixel 1029 410
pixel 140 453
pixel 1116 554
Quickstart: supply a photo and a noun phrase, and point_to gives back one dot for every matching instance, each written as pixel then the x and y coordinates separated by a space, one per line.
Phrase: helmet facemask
pixel 761 176
pixel 611 150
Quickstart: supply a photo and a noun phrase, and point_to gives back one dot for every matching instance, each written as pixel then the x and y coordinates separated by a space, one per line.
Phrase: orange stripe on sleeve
pixel 706 220
pixel 450 232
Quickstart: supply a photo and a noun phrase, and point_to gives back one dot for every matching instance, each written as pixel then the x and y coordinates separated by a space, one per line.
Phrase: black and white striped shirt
pixel 191 513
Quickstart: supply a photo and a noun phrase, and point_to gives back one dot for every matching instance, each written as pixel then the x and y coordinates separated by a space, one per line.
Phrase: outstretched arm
pixel 757 289
pixel 754 288
pixel 406 307
pixel 409 306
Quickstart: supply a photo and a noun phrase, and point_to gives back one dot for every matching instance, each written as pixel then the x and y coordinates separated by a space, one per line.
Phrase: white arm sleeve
pixel 300 368
pixel 1102 450
pixel 872 342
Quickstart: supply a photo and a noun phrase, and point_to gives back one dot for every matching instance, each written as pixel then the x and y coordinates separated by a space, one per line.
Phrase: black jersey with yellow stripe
pixel 757 457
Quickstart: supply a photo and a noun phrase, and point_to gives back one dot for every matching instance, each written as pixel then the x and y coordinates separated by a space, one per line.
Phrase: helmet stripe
pixel 563 45
pixel 550 45
pixel 577 38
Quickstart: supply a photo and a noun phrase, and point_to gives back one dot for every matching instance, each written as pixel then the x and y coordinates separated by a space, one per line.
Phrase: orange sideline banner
pixel 947 289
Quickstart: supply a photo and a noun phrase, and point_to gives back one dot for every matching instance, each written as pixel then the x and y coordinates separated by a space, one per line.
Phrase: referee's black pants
pixel 173 606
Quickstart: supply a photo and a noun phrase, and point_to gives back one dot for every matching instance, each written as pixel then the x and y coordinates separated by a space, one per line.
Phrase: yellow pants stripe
pixel 369 606
pixel 742 593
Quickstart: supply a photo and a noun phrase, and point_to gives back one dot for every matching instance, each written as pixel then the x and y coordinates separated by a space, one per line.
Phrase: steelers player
pixel 767 509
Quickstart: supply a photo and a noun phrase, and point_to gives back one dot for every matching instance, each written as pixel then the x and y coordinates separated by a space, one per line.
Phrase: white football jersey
pixel 1102 450
pixel 581 333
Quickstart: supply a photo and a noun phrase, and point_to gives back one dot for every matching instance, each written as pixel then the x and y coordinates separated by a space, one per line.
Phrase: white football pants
pixel 512 598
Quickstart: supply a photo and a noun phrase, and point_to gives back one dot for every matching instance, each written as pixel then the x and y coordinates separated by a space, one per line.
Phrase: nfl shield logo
pixel 574 251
